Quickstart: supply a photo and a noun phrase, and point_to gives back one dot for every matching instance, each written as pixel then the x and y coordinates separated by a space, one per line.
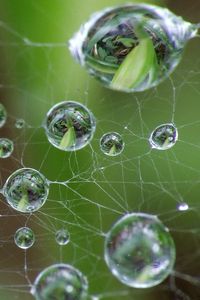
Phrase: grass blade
pixel 135 66
pixel 69 138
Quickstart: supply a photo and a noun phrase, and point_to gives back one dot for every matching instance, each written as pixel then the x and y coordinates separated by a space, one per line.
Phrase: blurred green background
pixel 37 71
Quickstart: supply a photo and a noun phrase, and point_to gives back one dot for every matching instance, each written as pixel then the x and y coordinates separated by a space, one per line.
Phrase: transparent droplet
pixel 131 47
pixel 69 126
pixel 62 237
pixel 139 250
pixel 183 206
pixel 6 147
pixel 164 137
pixel 26 190
pixel 24 238
pixel 20 123
pixel 112 144
pixel 60 281
pixel 3 115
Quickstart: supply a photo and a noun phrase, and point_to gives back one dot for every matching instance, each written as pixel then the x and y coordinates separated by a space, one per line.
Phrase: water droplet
pixel 139 250
pixel 69 126
pixel 131 47
pixel 164 137
pixel 20 123
pixel 26 188
pixel 62 237
pixel 6 147
pixel 60 281
pixel 3 115
pixel 183 207
pixel 112 144
pixel 24 238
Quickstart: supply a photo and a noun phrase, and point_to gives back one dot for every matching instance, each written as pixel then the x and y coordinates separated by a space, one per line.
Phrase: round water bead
pixel 24 238
pixel 3 115
pixel 19 123
pixel 6 147
pixel 62 237
pixel 26 190
pixel 131 47
pixel 60 281
pixel 139 250
pixel 69 126
pixel 164 137
pixel 112 144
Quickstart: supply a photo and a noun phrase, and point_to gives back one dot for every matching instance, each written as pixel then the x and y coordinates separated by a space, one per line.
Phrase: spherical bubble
pixel 62 237
pixel 26 190
pixel 164 137
pixel 112 144
pixel 139 250
pixel 6 147
pixel 24 238
pixel 19 123
pixel 131 47
pixel 3 115
pixel 69 126
pixel 60 281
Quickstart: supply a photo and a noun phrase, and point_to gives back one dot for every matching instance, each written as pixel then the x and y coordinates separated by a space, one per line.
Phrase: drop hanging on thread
pixel 69 126
pixel 60 281
pixel 139 250
pixel 26 190
pixel 132 47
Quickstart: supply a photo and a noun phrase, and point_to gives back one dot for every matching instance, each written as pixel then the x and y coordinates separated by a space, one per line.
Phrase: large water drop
pixel 139 250
pixel 131 47
pixel 60 281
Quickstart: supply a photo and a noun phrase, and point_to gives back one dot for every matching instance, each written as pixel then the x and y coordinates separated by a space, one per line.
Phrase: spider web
pixel 90 191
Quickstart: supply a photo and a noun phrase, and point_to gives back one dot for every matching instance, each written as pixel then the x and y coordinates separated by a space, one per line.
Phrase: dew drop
pixel 131 47
pixel 19 123
pixel 62 237
pixel 164 137
pixel 3 115
pixel 112 144
pixel 183 207
pixel 26 190
pixel 6 147
pixel 139 250
pixel 60 281
pixel 69 126
pixel 24 238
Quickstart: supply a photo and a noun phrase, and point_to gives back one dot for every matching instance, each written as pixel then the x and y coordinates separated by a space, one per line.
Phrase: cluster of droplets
pixel 6 145
pixel 128 48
